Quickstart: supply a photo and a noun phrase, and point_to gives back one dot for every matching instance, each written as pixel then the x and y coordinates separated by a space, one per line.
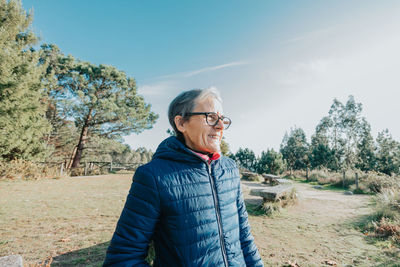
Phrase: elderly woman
pixel 188 198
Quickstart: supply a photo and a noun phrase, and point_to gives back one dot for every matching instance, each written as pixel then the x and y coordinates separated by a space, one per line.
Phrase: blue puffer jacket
pixel 193 211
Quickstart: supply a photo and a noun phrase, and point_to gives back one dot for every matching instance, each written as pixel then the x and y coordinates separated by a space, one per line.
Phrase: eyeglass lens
pixel 213 118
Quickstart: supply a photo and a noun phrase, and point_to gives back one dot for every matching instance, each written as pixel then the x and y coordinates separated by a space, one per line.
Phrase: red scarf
pixel 208 157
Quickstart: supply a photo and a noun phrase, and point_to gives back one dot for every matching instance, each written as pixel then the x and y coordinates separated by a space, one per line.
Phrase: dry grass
pixel 376 182
pixel 387 214
pixel 388 228
pixel 71 220
pixel 26 170
pixel 368 183
pixel 46 263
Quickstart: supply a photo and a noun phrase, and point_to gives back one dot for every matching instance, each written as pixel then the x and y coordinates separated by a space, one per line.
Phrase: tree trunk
pixel 82 141
pixel 80 146
pixel 356 180
pixel 71 159
pixel 344 178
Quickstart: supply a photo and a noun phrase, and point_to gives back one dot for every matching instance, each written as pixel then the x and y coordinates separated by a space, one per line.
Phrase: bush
pixel 389 229
pixel 26 170
pixel 376 182
pixel 387 212
pixel 387 203
pixel 371 182
pixel 96 170
pixel 294 175
pixel 324 176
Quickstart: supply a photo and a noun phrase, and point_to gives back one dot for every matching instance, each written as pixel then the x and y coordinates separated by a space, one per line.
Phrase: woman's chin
pixel 214 149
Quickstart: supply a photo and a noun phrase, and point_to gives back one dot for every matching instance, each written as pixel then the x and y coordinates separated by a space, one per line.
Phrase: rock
pixel 318 186
pixel 330 262
pixel 348 193
pixel 11 261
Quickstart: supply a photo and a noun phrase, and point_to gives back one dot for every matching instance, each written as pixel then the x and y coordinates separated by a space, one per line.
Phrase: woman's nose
pixel 220 124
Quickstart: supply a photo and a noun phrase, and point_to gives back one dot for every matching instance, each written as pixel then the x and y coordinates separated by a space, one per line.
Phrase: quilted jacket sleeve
pixel 135 228
pixel 249 248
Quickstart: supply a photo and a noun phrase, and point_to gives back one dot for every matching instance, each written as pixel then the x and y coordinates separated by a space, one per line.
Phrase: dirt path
pixel 319 228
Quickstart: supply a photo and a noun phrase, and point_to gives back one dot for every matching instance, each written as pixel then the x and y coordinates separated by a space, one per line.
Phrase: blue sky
pixel 277 64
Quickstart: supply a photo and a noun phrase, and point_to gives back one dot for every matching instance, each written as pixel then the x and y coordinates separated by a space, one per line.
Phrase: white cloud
pixel 318 66
pixel 206 69
pixel 157 88
pixel 308 36
pixel 296 73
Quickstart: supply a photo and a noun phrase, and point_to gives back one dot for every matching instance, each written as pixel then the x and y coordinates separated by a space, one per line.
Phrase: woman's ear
pixel 180 123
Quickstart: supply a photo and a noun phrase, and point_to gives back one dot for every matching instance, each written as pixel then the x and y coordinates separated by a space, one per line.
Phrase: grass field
pixel 69 219
pixel 72 221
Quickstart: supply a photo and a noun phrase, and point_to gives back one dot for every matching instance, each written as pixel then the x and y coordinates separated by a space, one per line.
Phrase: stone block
pixel 272 193
pixel 11 261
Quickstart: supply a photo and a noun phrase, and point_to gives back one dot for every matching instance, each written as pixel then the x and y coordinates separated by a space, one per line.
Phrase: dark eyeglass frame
pixel 213 113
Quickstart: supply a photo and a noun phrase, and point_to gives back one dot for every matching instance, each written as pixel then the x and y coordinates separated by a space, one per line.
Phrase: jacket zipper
pixel 221 237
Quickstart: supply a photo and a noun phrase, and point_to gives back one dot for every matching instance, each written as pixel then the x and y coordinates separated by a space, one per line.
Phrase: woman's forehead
pixel 209 104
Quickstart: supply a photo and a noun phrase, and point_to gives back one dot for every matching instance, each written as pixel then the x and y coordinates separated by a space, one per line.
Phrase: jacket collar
pixel 173 149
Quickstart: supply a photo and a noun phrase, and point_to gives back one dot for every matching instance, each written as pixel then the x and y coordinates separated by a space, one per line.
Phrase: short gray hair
pixel 186 101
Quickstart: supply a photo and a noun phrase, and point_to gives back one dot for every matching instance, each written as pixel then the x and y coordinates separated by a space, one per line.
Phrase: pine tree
pixel 388 153
pixel 366 159
pixel 246 159
pixel 270 162
pixel 22 104
pixel 224 147
pixel 294 149
pixel 321 155
pixel 101 100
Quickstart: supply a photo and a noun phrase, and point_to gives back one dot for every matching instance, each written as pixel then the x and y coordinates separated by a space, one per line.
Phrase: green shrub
pixel 387 213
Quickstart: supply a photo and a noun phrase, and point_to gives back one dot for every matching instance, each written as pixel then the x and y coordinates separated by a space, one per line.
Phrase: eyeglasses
pixel 212 118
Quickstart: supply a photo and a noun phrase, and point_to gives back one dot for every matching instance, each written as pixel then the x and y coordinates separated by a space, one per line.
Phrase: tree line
pixel 55 107
pixel 342 141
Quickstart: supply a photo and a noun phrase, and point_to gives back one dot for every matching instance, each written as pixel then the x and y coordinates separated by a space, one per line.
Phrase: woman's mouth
pixel 216 137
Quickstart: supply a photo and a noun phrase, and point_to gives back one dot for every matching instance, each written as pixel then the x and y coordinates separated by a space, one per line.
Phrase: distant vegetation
pixel 342 142
pixel 55 108
pixel 342 154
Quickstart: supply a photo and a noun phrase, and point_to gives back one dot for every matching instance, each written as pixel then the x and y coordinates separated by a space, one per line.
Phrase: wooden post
pixel 307 173
pixel 111 166
pixel 357 180
pixel 62 169
pixel 344 177
pixel 86 167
